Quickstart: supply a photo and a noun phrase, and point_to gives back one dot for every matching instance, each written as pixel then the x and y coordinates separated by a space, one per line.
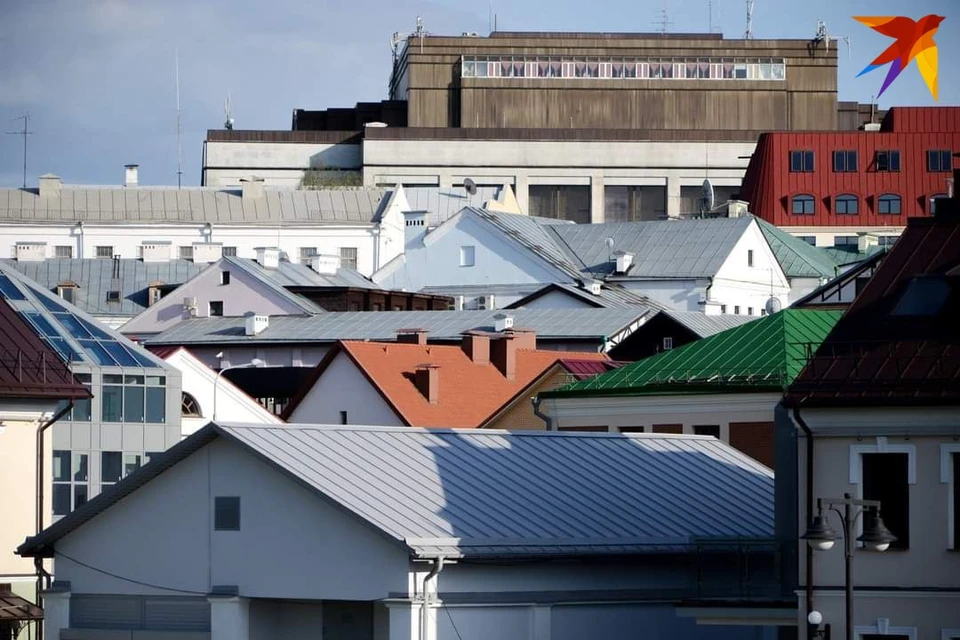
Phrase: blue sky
pixel 97 77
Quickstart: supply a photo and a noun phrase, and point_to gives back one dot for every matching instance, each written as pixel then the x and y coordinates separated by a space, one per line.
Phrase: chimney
pixel 207 252
pixel 255 323
pixel 325 265
pixel 155 250
pixel 49 185
pixel 412 336
pixel 524 338
pixel 624 261
pixel 865 241
pixel 414 226
pixel 503 355
pixel 476 345
pixel 871 126
pixel 130 178
pixel 268 257
pixel 427 379
pixel 502 322
pixel 251 188
pixel 30 251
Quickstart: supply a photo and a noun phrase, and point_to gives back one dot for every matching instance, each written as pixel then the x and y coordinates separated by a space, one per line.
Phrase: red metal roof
pixel 163 352
pixel 28 367
pixel 769 185
pixel 585 369
pixel 879 354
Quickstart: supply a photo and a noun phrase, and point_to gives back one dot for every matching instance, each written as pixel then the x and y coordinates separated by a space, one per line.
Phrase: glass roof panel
pixel 42 324
pixel 64 349
pixel 8 290
pixel 98 353
pixel 73 325
pixel 121 355
pixel 46 301
pixel 141 358
pixel 96 331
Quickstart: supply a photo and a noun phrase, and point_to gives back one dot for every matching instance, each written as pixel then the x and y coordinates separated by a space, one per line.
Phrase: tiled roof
pixel 498 494
pixel 28 367
pixel 797 258
pixel 763 355
pixel 94 277
pixel 563 324
pixel 469 393
pixel 899 342
pixel 113 205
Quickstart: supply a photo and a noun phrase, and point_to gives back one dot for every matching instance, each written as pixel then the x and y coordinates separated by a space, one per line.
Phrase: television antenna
pixel 707 198
pixel 711 29
pixel 824 36
pixel 398 38
pixel 227 113
pixel 179 126
pixel 748 34
pixel 663 22
pixel 23 132
pixel 470 186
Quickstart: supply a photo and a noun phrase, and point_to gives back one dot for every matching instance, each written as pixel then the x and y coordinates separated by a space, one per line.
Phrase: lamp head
pixel 876 536
pixel 219 355
pixel 820 536
pixel 814 617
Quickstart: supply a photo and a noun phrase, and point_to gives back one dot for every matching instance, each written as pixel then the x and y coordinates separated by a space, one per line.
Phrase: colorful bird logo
pixel 914 40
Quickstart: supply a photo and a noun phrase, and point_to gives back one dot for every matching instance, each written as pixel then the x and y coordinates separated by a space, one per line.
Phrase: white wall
pixel 679 295
pixel 274 355
pixel 556 300
pixel 291 544
pixel 738 284
pixel 342 387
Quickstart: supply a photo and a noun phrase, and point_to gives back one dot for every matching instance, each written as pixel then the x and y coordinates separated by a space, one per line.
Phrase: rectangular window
pixel 111 466
pixel 131 462
pixel 844 161
pixel 801 161
pixel 736 310
pixel 631 429
pixel 888 161
pixel 885 479
pixel 811 240
pixel 563 202
pixel 156 405
pixel 186 253
pixel 61 499
pixel 937 161
pixel 467 256
pixel 723 308
pixel 667 343
pixel 215 308
pixel 111 403
pixel 132 404
pixel 343 417
pixel 63 251
pixel 226 513
pixel 113 296
pixel 230 252
pixel 348 258
pixel 707 430
pixel 307 253
pixel 749 311
pixel 845 241
pixel 61 466
pixel 104 251
pixel 750 257
pixel 224 277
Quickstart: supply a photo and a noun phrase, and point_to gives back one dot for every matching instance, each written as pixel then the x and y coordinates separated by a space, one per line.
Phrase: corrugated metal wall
pixel 154 613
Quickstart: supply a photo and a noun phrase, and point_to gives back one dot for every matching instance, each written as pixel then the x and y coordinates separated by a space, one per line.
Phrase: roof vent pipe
pixel 130 178
pixel 255 323
pixel 251 188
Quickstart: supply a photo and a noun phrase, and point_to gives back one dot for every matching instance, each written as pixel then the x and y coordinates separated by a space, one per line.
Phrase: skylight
pixel 924 296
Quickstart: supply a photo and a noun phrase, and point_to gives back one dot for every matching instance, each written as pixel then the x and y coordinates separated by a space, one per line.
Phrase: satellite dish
pixel 470 186
pixel 609 243
pixel 773 305
pixel 707 197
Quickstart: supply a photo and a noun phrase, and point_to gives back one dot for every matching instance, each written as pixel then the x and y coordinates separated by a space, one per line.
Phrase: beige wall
pixel 520 416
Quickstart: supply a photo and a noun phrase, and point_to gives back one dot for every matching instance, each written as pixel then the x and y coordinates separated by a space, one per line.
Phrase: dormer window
pixel 67 291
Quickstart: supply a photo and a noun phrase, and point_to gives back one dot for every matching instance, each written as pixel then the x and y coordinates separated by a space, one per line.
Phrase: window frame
pixel 855 466
pixel 749 257
pixel 189 401
pixel 348 257
pixel 805 198
pixel 185 252
pixel 210 308
pixel 949 472
pixel 218 524
pixel 889 198
pixel 57 250
pixel 667 343
pixel 802 155
pixel 98 251
pixel 891 163
pixel 940 155
pixel 468 255
pixel 846 199
pixel 848 158
pixel 224 278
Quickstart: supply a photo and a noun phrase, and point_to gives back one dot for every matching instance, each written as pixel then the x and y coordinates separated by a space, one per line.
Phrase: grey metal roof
pixel 660 248
pixel 95 277
pixel 500 494
pixel 533 233
pixel 797 257
pixel 610 296
pixel 587 324
pixel 704 325
pixel 296 207
pixel 294 274
pixel 443 204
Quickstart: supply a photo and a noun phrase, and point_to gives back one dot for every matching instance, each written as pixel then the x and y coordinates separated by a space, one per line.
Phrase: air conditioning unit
pixel 594 288
pixel 190 306
pixel 486 303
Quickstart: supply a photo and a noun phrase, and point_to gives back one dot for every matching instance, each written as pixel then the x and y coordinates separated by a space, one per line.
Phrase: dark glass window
pixel 844 161
pixel 61 466
pixel 565 202
pixel 224 277
pixel 801 161
pixel 216 308
pixel 889 204
pixel 156 404
pixel 939 161
pixel 121 355
pixel 888 161
pixel 189 407
pixel 111 405
pixel 707 430
pixel 885 479
pixel 79 495
pixel 936 201
pixel 803 205
pixel 226 513
pixel 111 466
pixel 9 290
pixel 811 240
pixel 846 205
pixel 132 404
pixel 61 499
pixel 96 351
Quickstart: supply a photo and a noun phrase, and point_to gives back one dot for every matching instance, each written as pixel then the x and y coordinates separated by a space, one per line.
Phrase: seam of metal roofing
pixel 797 258
pixel 766 354
pixel 253 269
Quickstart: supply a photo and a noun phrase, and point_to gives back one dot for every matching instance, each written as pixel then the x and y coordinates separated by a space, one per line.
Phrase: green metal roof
pixel 763 355
pixel 797 258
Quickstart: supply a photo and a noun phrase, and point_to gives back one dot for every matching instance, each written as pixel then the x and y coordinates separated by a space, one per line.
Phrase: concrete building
pixel 247 532
pixel 638 121
pixel 875 415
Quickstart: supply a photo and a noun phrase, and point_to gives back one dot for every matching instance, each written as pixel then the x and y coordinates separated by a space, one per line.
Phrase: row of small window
pixel 736 312
pixel 938 161
pixel 65 251
pixel 348 256
pixel 71 475
pixel 623 68
pixel 849 204
pixel 852 241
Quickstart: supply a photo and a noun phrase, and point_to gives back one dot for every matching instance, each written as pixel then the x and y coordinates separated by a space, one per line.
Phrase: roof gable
pixel 766 354
pixel 797 258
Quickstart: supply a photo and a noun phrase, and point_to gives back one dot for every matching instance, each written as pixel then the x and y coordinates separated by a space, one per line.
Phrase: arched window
pixel 889 203
pixel 803 205
pixel 934 203
pixel 189 407
pixel 846 205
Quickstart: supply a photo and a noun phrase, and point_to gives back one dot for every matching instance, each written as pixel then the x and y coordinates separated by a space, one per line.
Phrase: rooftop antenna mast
pixel 227 113
pixel 23 132
pixel 179 127
pixel 748 34
pixel 419 32
pixel 663 22
pixel 824 36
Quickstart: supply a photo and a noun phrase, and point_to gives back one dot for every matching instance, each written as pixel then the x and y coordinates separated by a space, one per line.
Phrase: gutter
pixel 809 505
pixel 536 400
pixel 38 561
pixel 424 608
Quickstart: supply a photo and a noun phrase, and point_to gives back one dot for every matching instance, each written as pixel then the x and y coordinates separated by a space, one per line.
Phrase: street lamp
pixel 256 362
pixel 875 537
pixel 814 618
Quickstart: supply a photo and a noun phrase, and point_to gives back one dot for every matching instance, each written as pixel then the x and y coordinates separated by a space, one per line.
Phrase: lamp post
pixel 256 362
pixel 820 537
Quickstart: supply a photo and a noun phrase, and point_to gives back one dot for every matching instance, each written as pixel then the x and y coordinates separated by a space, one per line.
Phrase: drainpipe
pixel 809 500
pixel 424 610
pixel 536 411
pixel 38 562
